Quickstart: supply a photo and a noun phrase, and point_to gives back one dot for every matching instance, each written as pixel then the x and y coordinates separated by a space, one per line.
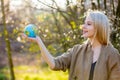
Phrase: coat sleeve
pixel 63 62
pixel 114 63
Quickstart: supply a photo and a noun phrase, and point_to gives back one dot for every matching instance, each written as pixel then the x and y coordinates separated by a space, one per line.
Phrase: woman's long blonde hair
pixel 102 26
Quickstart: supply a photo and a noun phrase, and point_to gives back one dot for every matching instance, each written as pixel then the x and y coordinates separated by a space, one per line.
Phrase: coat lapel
pixel 88 59
pixel 84 63
pixel 100 65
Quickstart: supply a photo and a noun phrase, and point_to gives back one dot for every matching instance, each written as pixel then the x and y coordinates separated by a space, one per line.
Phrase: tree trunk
pixel 8 49
pixel 113 7
pixel 105 6
pixel 98 1
pixel 118 15
pixel 118 9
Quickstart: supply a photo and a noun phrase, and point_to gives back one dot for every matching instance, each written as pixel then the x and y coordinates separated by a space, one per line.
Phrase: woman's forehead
pixel 88 19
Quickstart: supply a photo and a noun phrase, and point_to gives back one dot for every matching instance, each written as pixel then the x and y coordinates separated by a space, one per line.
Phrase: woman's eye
pixel 88 24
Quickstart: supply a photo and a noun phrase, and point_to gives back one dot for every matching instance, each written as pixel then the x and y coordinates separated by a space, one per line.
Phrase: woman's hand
pixel 24 36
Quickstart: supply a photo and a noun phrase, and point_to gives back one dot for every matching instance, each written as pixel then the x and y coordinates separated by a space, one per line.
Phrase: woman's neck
pixel 95 43
pixel 96 47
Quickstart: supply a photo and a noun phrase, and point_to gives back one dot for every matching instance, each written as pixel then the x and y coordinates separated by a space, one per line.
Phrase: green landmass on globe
pixel 31 30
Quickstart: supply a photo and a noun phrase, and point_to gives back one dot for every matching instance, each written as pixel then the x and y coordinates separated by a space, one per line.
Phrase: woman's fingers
pixel 30 39
pixel 23 35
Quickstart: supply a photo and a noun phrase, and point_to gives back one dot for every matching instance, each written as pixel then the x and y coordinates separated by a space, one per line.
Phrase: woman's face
pixel 88 28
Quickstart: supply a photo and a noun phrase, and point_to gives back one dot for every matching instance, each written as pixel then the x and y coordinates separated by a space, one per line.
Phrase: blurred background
pixel 59 25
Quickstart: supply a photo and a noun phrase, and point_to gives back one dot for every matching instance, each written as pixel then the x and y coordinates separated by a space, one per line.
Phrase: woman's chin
pixel 85 36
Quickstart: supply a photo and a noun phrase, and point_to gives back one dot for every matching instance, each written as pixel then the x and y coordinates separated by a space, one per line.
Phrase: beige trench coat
pixel 78 61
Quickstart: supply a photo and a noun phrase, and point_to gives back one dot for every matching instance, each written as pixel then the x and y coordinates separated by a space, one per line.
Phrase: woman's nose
pixel 83 26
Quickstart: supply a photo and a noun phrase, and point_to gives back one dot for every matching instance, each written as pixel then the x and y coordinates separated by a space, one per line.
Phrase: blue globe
pixel 31 30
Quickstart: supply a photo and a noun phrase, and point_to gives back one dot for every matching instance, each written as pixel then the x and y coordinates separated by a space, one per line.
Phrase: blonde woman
pixel 96 59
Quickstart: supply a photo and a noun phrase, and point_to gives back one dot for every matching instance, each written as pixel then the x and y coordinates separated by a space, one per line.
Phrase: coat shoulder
pixel 113 54
pixel 78 47
pixel 112 51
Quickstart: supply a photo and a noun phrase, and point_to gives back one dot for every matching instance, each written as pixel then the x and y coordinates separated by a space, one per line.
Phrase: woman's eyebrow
pixel 88 21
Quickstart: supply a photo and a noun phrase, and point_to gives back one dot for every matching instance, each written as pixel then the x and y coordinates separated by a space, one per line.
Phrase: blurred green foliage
pixel 3 76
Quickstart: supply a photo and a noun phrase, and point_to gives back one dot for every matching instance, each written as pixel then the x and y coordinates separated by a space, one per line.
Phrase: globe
pixel 31 30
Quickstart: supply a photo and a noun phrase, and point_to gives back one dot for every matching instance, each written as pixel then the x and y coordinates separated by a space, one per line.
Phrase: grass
pixel 3 76
pixel 36 73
